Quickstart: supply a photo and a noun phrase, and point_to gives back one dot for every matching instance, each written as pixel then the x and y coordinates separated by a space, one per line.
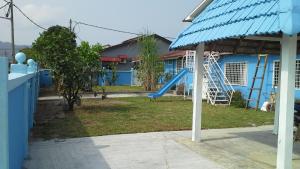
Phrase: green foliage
pixel 33 54
pixel 57 46
pixel 167 77
pixel 73 66
pixel 114 77
pixel 90 55
pixel 237 100
pixel 151 67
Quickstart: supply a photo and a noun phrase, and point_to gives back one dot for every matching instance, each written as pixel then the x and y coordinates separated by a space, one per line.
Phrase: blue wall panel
pixel 251 61
pixel 18 139
pixel 124 78
pixel 46 78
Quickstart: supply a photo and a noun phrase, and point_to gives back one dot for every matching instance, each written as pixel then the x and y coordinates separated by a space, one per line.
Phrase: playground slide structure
pixel 168 85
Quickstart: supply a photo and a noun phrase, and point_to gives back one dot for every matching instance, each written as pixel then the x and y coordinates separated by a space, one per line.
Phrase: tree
pixel 32 54
pixel 90 56
pixel 151 67
pixel 57 46
pixel 114 77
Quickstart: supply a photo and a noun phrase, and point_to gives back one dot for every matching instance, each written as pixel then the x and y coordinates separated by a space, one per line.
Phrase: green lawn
pixel 120 89
pixel 132 115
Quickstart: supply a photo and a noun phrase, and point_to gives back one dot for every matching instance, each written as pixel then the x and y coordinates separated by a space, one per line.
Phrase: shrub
pixel 238 100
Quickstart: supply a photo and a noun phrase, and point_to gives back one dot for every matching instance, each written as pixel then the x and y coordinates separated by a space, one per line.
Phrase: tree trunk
pixel 71 106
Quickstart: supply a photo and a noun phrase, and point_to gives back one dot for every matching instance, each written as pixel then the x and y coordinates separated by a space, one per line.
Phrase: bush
pixel 167 77
pixel 237 100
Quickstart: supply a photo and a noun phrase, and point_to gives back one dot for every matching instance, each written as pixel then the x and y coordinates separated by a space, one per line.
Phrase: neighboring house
pixel 126 53
pixel 125 56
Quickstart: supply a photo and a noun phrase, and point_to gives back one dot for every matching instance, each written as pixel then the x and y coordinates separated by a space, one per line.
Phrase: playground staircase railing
pixel 219 89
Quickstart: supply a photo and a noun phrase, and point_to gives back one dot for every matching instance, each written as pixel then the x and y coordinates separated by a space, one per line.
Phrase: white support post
pixel 287 99
pixel 277 102
pixel 197 95
pixel 4 142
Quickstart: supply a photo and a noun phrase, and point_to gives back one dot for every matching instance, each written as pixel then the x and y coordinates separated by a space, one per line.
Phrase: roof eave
pixel 197 10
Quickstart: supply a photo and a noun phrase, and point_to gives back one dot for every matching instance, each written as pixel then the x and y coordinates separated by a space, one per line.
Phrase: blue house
pixel 243 27
pixel 239 69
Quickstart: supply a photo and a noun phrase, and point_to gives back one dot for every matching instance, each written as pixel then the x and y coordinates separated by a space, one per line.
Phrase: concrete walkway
pixel 91 96
pixel 130 151
pixel 241 148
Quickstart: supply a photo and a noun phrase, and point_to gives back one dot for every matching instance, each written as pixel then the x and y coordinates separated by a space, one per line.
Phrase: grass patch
pixel 136 115
pixel 121 89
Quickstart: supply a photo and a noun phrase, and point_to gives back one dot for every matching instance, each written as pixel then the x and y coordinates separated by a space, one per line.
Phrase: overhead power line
pixel 112 29
pixel 33 22
pixel 4 5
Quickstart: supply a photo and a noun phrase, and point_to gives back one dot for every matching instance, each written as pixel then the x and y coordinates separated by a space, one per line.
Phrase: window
pixel 169 62
pixel 236 73
pixel 276 68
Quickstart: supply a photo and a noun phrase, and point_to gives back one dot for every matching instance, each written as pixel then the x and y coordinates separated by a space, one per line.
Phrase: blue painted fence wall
pixel 124 78
pixel 46 78
pixel 18 100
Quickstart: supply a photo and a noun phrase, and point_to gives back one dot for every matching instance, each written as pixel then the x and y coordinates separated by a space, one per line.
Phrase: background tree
pixel 114 77
pixel 57 46
pixel 90 56
pixel 32 54
pixel 151 67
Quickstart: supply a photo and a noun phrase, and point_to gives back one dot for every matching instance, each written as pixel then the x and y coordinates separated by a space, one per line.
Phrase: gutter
pixel 197 11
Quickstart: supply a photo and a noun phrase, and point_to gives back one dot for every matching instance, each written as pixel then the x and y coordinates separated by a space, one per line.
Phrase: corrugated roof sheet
pixel 231 18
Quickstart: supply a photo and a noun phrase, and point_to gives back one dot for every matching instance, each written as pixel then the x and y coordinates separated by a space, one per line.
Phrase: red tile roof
pixel 110 59
pixel 174 54
pixel 123 56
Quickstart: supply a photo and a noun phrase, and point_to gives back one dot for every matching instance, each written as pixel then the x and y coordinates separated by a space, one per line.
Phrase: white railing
pixel 223 86
pixel 190 60
pixel 211 95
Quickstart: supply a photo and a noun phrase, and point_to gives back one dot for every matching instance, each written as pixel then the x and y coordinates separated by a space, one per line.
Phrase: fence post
pixel 132 76
pixel 4 143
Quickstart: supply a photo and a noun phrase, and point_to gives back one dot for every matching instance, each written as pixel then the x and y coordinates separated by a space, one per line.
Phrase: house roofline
pixel 134 40
pixel 197 11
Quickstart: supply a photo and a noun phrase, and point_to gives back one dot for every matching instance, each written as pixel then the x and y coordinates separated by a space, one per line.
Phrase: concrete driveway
pixel 240 148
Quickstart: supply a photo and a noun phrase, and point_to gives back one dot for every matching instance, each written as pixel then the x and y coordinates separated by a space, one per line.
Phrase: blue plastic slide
pixel 168 85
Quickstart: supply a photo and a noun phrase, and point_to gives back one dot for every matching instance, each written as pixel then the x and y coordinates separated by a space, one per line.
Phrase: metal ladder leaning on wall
pixel 257 78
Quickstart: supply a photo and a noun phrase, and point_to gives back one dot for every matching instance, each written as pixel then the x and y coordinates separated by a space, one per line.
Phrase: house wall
pixel 124 78
pixel 251 61
pixel 132 50
pixel 170 67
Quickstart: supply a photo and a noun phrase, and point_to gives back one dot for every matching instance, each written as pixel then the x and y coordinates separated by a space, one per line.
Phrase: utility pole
pixel 70 24
pixel 11 18
pixel 12 30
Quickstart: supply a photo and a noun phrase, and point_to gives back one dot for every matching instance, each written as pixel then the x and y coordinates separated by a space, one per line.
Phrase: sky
pixel 163 17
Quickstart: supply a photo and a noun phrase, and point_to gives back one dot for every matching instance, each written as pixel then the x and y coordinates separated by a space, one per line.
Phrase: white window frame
pixel 169 61
pixel 273 76
pixel 245 74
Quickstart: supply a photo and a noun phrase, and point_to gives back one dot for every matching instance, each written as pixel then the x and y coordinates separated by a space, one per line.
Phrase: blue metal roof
pixel 233 18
